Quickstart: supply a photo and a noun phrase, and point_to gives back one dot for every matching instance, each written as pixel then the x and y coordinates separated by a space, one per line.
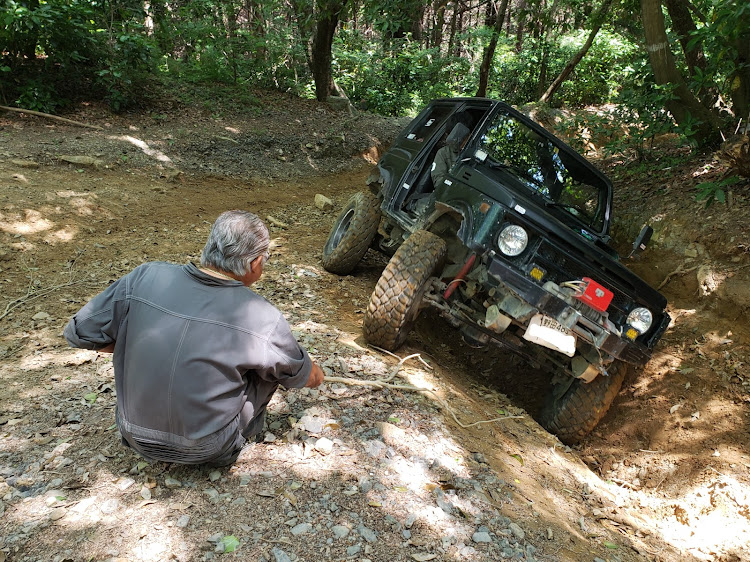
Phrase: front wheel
pixel 571 413
pixel 352 233
pixel 394 304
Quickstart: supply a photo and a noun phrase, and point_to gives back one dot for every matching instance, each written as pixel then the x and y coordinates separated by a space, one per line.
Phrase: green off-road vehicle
pixel 511 247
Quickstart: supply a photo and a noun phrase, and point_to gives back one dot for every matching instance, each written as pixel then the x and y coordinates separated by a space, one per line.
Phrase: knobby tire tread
pixel 344 257
pixel 572 416
pixel 396 297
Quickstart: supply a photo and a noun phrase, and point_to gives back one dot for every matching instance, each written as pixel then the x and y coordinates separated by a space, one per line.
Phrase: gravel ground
pixel 345 472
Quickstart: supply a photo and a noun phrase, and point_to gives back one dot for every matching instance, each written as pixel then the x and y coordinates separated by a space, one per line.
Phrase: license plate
pixel 548 332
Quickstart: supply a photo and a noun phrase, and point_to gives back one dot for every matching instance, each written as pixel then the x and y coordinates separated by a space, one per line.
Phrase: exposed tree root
pixel 678 271
pixel 48 116
pixel 33 295
pixel 384 383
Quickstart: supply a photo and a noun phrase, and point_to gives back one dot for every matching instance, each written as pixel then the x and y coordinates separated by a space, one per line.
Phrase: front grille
pixel 561 268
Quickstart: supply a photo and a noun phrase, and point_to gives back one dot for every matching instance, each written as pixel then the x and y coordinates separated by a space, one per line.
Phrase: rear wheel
pixel 352 233
pixel 394 304
pixel 571 413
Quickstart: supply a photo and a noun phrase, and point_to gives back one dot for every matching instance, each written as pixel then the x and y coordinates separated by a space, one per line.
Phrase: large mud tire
pixel 394 304
pixel 574 413
pixel 352 233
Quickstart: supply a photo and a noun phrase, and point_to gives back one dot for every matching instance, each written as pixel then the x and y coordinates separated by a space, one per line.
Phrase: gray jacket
pixel 193 355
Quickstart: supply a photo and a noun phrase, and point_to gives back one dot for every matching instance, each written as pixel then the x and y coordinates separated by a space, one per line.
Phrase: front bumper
pixel 522 299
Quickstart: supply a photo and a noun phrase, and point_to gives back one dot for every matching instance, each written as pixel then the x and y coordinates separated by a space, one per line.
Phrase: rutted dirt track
pixel 347 472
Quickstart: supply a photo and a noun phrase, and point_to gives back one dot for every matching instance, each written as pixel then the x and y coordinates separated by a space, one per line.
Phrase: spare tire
pixel 352 233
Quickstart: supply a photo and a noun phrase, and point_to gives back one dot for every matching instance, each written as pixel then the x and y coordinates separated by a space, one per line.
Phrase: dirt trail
pixel 666 476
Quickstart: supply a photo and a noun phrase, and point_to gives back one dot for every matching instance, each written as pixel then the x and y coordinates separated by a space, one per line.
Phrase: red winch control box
pixel 595 295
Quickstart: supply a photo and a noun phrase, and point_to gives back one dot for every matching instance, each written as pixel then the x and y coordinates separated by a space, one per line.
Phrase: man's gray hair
pixel 236 239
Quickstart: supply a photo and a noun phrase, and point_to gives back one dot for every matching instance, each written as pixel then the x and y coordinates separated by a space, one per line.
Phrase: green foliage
pixel 205 50
pixel 630 126
pixel 711 191
pixel 61 50
pixel 394 82
pixel 597 78
pixel 725 38
pixel 37 96
pixel 126 69
pixel 54 51
pixel 392 18
pixel 59 30
pixel 513 77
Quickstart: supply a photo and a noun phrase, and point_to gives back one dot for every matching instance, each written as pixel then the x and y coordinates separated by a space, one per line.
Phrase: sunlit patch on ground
pixel 32 223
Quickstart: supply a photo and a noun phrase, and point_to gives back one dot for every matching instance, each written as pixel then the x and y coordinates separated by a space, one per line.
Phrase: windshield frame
pixel 548 168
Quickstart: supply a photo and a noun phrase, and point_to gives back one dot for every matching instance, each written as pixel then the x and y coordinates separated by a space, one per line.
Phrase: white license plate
pixel 548 332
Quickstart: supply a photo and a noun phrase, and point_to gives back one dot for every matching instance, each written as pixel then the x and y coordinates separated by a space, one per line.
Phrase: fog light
pixel 640 319
pixel 537 273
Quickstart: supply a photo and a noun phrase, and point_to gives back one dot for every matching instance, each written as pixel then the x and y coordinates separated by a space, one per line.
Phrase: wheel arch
pixel 453 223
pixel 378 181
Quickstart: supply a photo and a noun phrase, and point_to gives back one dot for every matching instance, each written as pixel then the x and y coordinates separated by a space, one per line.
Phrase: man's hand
pixel 109 349
pixel 316 376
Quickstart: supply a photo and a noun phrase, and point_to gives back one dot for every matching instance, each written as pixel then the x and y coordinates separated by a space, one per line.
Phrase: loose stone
pixel 481 537
pixel 340 531
pixel 368 534
pixel 280 556
pixel 517 531
pixel 301 529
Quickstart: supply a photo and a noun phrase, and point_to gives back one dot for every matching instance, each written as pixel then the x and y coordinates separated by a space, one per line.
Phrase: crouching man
pixel 197 356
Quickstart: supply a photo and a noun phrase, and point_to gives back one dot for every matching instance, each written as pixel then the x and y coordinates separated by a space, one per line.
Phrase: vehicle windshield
pixel 547 169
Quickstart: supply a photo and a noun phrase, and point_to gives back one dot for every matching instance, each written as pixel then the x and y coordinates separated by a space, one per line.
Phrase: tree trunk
pixel 498 14
pixel 596 22
pixel 437 31
pixel 320 52
pixel 684 106
pixel 452 37
pixel 520 24
pixel 305 23
pixel 740 79
pixel 683 25
pixel 543 67
pixel 417 25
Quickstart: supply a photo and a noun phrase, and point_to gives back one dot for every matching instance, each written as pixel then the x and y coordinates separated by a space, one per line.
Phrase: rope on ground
pixel 384 383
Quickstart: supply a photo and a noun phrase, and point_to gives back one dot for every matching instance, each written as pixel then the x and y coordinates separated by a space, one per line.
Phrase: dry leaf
pixel 291 497
pixel 179 506
pixel 57 513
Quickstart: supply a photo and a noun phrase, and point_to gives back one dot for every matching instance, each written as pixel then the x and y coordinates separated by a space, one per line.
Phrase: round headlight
pixel 640 319
pixel 512 240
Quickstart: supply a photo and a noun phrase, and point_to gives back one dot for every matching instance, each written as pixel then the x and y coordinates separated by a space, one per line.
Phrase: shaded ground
pixel 348 472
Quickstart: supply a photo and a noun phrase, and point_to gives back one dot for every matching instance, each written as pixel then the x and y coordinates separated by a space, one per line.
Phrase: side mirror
pixel 642 240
